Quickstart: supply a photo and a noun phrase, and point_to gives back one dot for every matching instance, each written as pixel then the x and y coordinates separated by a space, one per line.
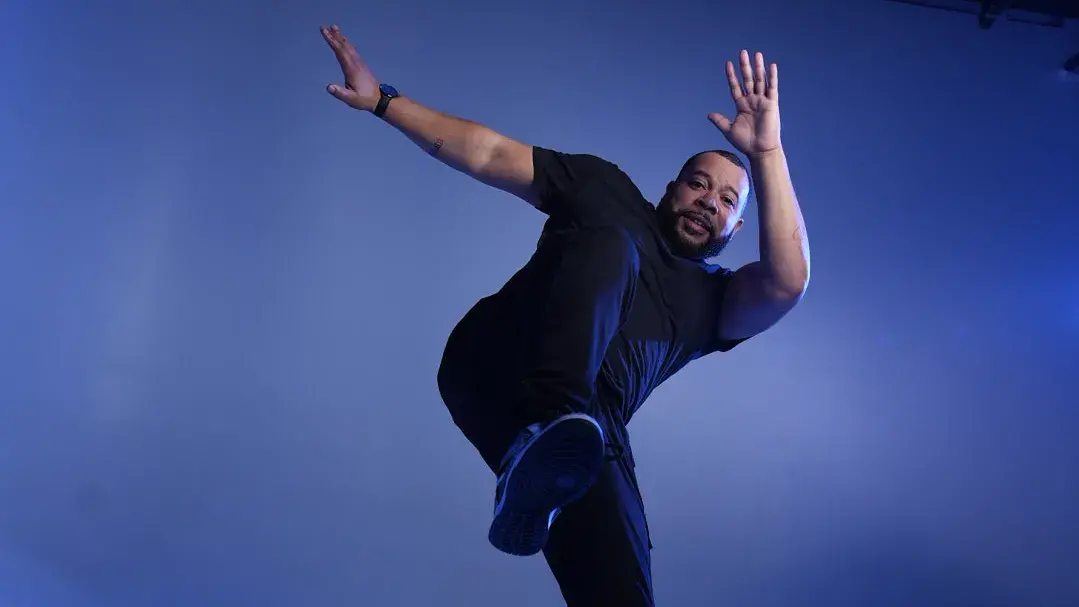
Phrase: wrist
pixel 386 94
pixel 766 155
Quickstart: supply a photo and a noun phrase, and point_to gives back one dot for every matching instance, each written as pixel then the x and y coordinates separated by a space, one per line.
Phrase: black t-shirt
pixel 675 316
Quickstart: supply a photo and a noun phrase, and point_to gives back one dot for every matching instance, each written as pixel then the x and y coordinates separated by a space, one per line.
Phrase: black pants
pixel 534 352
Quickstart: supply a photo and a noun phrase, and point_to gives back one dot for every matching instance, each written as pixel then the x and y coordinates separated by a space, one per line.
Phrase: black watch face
pixel 387 90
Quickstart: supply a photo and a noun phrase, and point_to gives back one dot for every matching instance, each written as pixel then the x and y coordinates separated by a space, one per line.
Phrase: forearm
pixel 461 144
pixel 784 247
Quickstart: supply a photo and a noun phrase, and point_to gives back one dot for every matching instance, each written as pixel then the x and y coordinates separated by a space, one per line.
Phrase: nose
pixel 709 203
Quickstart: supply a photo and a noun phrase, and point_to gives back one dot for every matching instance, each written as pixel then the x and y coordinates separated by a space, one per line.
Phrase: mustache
pixel 702 217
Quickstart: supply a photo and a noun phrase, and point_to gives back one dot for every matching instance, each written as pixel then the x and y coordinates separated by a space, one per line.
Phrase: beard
pixel 680 243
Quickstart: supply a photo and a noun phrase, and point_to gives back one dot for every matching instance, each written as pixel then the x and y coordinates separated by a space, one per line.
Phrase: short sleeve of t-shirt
pixel 561 179
pixel 721 280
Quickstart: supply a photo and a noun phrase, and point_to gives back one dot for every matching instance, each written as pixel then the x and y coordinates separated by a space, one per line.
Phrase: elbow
pixel 797 289
pixel 485 150
pixel 785 274
pixel 795 284
pixel 799 285
pixel 791 288
pixel 789 296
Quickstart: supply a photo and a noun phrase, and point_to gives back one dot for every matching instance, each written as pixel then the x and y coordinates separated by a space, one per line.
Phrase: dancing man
pixel 543 376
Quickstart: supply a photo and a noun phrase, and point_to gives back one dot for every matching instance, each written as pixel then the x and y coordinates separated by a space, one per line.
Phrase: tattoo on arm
pixel 435 147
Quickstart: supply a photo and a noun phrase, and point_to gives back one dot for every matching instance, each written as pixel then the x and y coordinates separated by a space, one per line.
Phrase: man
pixel 543 376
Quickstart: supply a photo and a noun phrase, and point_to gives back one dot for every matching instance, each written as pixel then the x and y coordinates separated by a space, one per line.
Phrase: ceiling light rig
pixel 1044 13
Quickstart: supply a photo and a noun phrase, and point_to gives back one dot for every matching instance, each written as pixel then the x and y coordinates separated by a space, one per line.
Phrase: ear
pixel 737 226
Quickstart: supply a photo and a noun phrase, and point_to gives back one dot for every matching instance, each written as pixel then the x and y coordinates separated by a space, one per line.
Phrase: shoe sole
pixel 555 470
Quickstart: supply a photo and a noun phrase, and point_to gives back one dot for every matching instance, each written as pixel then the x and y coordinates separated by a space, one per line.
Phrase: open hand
pixel 755 129
pixel 361 88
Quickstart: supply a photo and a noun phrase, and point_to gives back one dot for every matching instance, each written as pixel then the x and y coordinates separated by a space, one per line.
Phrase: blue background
pixel 225 297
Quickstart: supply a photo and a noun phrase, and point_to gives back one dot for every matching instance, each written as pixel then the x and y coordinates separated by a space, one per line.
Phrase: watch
pixel 386 94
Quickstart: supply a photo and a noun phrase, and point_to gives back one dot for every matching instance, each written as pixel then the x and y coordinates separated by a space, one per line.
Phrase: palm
pixel 755 129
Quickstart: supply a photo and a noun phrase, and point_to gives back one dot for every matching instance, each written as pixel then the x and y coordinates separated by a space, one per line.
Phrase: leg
pixel 483 355
pixel 582 290
pixel 599 547
pixel 476 381
pixel 587 285
pixel 576 298
pixel 534 354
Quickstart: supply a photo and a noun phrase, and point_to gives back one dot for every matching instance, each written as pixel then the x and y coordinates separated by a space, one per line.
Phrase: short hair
pixel 734 159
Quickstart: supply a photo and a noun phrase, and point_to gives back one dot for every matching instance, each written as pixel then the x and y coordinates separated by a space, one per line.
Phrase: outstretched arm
pixel 469 147
pixel 762 292
pixel 466 146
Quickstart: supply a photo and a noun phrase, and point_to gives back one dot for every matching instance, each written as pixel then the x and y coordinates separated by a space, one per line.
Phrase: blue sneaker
pixel 548 466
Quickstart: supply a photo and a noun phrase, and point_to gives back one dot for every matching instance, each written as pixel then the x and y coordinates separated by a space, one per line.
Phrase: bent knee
pixel 453 377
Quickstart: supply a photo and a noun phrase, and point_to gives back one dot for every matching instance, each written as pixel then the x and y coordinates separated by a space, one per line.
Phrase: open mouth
pixel 696 224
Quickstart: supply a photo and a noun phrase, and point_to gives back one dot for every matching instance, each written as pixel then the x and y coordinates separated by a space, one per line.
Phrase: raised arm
pixel 469 147
pixel 762 292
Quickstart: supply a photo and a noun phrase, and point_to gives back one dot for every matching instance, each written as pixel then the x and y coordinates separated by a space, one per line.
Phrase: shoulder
pixel 565 181
pixel 571 167
pixel 715 281
pixel 716 273
pixel 703 282
pixel 720 279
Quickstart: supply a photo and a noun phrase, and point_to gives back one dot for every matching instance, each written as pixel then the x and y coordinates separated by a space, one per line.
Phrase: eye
pixel 696 185
pixel 727 200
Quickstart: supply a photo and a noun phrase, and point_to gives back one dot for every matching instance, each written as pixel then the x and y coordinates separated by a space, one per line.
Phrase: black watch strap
pixel 383 103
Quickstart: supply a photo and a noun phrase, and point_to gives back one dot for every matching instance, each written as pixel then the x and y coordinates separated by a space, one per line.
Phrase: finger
pixel 773 81
pixel 758 74
pixel 732 80
pixel 348 51
pixel 344 51
pixel 329 35
pixel 341 39
pixel 343 93
pixel 747 72
pixel 332 40
pixel 722 122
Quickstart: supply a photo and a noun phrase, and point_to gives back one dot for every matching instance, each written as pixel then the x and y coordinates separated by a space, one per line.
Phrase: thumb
pixel 343 93
pixel 722 122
